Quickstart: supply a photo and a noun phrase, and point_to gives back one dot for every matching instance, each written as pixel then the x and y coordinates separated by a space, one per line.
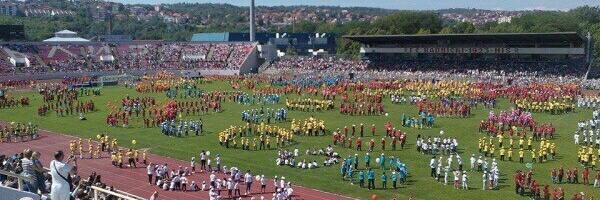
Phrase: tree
pixel 423 32
pixel 304 27
pixel 465 27
pixel 446 30
pixel 587 14
pixel 595 32
pixel 407 22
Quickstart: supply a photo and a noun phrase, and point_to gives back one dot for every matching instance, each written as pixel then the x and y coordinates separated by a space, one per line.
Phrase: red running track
pixel 134 180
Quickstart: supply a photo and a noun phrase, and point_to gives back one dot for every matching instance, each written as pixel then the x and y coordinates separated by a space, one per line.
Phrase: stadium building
pixel 564 52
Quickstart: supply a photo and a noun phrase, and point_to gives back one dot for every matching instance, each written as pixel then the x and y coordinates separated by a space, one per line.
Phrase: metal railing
pixel 20 178
pixel 119 194
pixel 96 190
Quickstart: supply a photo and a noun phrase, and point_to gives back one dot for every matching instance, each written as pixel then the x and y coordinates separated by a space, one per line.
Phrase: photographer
pixel 61 182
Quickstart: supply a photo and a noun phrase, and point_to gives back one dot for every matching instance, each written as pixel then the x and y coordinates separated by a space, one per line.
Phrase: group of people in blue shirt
pixel 398 169
pixel 180 128
pixel 424 119
pixel 261 99
pixel 186 91
pixel 266 115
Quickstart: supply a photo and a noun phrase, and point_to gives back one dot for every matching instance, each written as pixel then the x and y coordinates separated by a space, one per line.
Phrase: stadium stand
pixel 239 53
pixel 561 53
pixel 16 184
pixel 5 66
pixel 220 52
pixel 90 57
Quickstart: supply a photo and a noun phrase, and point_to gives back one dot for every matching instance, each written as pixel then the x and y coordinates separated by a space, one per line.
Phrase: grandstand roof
pixel 552 37
pixel 62 39
pixel 66 32
pixel 66 36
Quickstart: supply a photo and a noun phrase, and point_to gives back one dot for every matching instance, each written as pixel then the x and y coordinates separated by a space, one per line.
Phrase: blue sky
pixel 407 4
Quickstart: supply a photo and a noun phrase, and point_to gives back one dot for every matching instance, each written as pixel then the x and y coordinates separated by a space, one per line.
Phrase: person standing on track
pixel 203 158
pixel 150 171
pixel 248 179
pixel 131 158
pixel 263 184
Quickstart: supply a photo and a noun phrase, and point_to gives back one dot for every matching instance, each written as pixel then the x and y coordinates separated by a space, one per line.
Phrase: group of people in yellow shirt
pixel 439 88
pixel 18 132
pixel 308 104
pixel 160 82
pixel 308 127
pixel 133 157
pixel 255 137
pixel 76 148
pixel 546 150
pixel 555 106
pixel 116 155
pixel 586 156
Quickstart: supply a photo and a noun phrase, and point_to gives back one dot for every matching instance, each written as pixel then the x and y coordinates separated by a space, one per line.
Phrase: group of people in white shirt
pixel 441 173
pixel 588 132
pixel 491 174
pixel 288 158
pixel 590 102
pixel 223 182
pixel 437 145
pixel 172 180
pixel 400 99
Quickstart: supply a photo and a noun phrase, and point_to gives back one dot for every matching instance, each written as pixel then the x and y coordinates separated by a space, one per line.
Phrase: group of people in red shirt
pixel 524 181
pixel 346 138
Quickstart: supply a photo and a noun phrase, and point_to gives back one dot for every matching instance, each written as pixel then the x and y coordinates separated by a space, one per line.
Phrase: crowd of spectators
pixel 42 181
pixel 220 52
pixel 512 66
pixel 5 65
pixel 506 72
pixel 44 58
pixel 238 54
pixel 319 63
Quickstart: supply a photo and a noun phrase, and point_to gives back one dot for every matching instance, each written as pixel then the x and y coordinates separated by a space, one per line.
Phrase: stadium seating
pixel 239 53
pixel 220 52
pixel 28 51
pixel 131 56
pixel 5 66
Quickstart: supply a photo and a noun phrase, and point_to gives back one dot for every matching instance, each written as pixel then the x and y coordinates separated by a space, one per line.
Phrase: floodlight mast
pixel 252 23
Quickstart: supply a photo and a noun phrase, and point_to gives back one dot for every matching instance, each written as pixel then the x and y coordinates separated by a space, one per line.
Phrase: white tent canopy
pixel 107 58
pixel 66 36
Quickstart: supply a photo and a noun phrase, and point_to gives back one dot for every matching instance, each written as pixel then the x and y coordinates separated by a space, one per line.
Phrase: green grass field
pixel 420 185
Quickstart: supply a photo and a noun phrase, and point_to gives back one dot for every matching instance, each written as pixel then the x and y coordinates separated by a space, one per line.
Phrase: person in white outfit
pixel 484 178
pixel 465 182
pixel 60 189
pixel 263 184
pixel 150 171
pixel 446 171
pixel 473 161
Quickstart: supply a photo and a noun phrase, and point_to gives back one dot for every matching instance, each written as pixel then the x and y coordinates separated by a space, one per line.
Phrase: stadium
pixel 313 113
